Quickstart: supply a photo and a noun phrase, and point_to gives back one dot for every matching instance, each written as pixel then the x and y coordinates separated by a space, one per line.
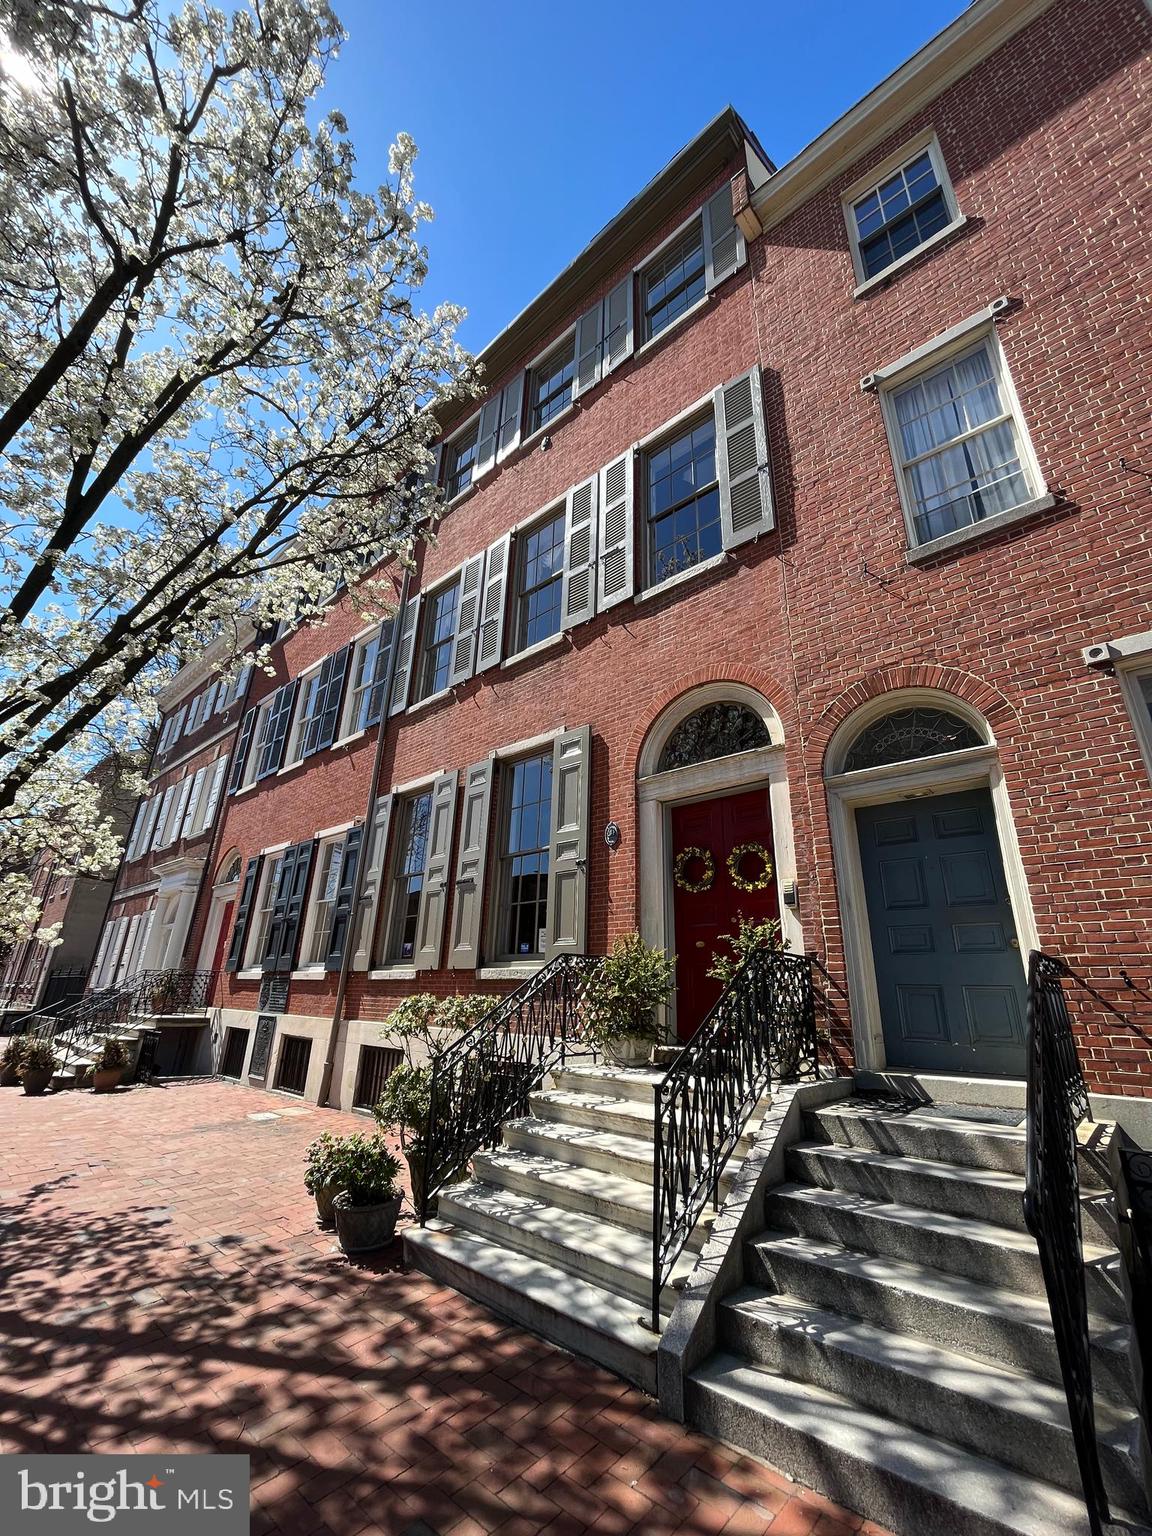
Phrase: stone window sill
pixel 711 564
pixel 961 537
pixel 510 972
pixel 433 698
pixel 393 973
pixel 530 651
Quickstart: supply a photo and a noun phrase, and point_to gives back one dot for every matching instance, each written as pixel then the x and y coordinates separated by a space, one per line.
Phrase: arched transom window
pixel 908 734
pixel 717 730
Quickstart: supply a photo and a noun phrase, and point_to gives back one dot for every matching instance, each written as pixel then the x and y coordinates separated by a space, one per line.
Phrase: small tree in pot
pixel 369 1202
pixel 11 1061
pixel 625 998
pixel 109 1065
pixel 38 1066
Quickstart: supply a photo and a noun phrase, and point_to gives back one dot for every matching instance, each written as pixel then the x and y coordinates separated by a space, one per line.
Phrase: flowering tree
pixel 217 391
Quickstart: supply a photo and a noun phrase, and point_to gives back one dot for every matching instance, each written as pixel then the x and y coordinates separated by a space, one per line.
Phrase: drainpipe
pixel 362 863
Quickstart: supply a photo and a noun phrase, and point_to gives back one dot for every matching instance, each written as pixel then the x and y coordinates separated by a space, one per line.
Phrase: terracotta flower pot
pixel 36 1080
pixel 104 1079
pixel 361 1228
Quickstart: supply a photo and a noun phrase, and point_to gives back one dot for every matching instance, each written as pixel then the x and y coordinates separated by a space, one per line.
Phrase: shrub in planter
pixel 12 1060
pixel 321 1178
pixel 746 940
pixel 369 1202
pixel 625 998
pixel 403 1108
pixel 37 1066
pixel 109 1065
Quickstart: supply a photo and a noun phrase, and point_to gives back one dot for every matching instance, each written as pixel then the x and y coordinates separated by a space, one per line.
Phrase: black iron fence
pixel 485 1077
pixel 762 1029
pixel 159 993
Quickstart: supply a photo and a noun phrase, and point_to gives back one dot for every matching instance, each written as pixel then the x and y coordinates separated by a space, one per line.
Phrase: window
pixel 265 901
pixel 361 704
pixel 324 890
pixel 551 384
pixel 439 633
pixel 907 734
pixel 905 205
pixel 255 750
pixel 522 876
pixel 717 730
pixel 961 454
pixel 292 1065
pixel 674 281
pixel 235 1050
pixel 539 580
pixel 683 502
pixel 376 1065
pixel 408 862
pixel 308 698
pixel 461 456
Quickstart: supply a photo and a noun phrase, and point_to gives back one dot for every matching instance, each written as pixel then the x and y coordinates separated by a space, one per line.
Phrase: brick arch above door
pixel 705 686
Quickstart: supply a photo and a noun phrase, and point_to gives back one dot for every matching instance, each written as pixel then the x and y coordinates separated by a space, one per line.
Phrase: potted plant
pixel 12 1060
pixel 108 1068
pixel 403 1108
pixel 37 1066
pixel 625 998
pixel 321 1179
pixel 749 937
pixel 369 1202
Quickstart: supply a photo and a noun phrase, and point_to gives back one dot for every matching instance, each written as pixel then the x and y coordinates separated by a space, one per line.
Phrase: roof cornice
pixel 223 649
pixel 976 33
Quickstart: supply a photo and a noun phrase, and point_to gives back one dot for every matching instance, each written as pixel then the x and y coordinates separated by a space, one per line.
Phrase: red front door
pixel 717 827
pixel 223 937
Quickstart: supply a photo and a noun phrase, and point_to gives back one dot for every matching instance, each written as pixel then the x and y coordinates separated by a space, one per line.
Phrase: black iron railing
pixel 159 993
pixel 1057 1103
pixel 485 1077
pixel 762 1029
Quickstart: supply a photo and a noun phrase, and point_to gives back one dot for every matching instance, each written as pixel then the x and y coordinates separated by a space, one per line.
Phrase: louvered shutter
pixel 618 324
pixel 434 891
pixel 178 722
pixel 578 596
pixel 511 410
pixel 243 914
pixel 212 800
pixel 96 975
pixel 742 460
pixel 468 893
pixel 375 856
pixel 278 911
pixel 487 437
pixel 409 620
pixel 137 826
pixel 243 747
pixel 342 907
pixel 149 827
pixel 615 579
pixel 723 242
pixel 589 338
pixel 194 800
pixel 276 735
pixel 288 908
pixel 321 730
pixel 380 671
pixel 467 620
pixel 179 808
pixel 568 846
pixel 160 831
pixel 240 686
pixel 490 644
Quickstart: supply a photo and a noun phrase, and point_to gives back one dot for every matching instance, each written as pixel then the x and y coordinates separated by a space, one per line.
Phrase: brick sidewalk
pixel 165 1287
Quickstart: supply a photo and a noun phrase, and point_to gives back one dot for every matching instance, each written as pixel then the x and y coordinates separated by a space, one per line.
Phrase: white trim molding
pixel 872 177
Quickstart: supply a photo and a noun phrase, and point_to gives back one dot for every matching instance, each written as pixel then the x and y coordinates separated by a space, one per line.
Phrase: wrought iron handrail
pixel 165 992
pixel 1057 1101
pixel 761 1029
pixel 485 1076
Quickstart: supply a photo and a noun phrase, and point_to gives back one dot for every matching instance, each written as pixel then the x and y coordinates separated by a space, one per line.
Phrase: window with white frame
pixel 551 384
pixel 906 204
pixel 962 453
pixel 1136 684
pixel 261 726
pixel 406 877
pixel 262 910
pixel 437 636
pixel 520 904
pixel 360 705
pixel 325 886
pixel 539 582
pixel 682 500
pixel 460 456
pixel 672 283
pixel 307 702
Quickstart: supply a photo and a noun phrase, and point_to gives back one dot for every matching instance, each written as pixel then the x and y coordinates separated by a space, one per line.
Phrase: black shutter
pixel 321 731
pixel 243 744
pixel 342 907
pixel 380 671
pixel 276 736
pixel 243 913
pixel 278 910
pixel 295 891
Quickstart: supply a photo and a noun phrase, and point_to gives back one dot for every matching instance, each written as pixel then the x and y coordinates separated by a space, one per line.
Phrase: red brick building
pixel 794 563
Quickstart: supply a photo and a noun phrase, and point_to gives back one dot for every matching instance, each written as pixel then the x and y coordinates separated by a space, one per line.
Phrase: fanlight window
pixel 907 734
pixel 230 869
pixel 717 730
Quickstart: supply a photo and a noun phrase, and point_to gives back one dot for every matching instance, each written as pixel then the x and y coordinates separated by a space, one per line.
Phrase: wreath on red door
pixel 687 857
pixel 737 857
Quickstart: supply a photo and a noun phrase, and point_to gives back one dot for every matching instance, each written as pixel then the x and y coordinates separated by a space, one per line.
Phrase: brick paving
pixel 165 1287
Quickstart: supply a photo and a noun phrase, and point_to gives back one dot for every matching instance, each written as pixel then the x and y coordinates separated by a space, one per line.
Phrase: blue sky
pixel 536 123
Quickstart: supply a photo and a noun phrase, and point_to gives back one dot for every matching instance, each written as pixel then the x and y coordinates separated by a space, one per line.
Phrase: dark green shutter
pixel 380 671
pixel 243 914
pixel 342 908
pixel 321 729
pixel 276 735
pixel 243 745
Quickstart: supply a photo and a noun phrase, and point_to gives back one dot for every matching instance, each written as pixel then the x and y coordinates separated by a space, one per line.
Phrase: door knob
pixel 1014 943
pixel 700 944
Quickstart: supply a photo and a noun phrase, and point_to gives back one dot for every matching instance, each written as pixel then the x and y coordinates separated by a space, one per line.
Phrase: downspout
pixel 362 863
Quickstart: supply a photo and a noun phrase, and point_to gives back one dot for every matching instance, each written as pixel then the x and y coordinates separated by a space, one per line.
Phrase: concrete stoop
pixel 554 1229
pixel 892 1345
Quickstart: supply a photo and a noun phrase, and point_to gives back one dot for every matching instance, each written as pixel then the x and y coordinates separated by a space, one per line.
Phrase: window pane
pixel 540 583
pixel 524 856
pixel 684 502
pixel 674 282
pixel 552 384
pixel 408 876
pixel 461 457
pixel 439 632
pixel 327 885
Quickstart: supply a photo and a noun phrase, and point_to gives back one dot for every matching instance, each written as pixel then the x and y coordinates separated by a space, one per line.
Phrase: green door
pixel 948 967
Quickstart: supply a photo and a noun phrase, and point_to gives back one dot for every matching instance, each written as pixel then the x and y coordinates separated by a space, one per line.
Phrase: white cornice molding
pixel 201 667
pixel 979 31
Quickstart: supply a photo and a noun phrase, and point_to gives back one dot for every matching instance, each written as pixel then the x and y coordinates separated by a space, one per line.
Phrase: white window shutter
pixel 467 620
pixel 589 346
pixel 578 600
pixel 137 827
pixel 511 407
pixel 490 646
pixel 96 978
pixel 405 649
pixel 723 242
pixel 568 848
pixel 618 325
pixel 179 806
pixel 193 805
pixel 148 830
pixel 742 460
pixel 157 840
pixel 468 894
pixel 434 892
pixel 615 580
pixel 212 799
pixel 486 441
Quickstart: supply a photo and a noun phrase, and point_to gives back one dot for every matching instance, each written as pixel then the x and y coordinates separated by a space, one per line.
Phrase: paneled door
pixel 948 966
